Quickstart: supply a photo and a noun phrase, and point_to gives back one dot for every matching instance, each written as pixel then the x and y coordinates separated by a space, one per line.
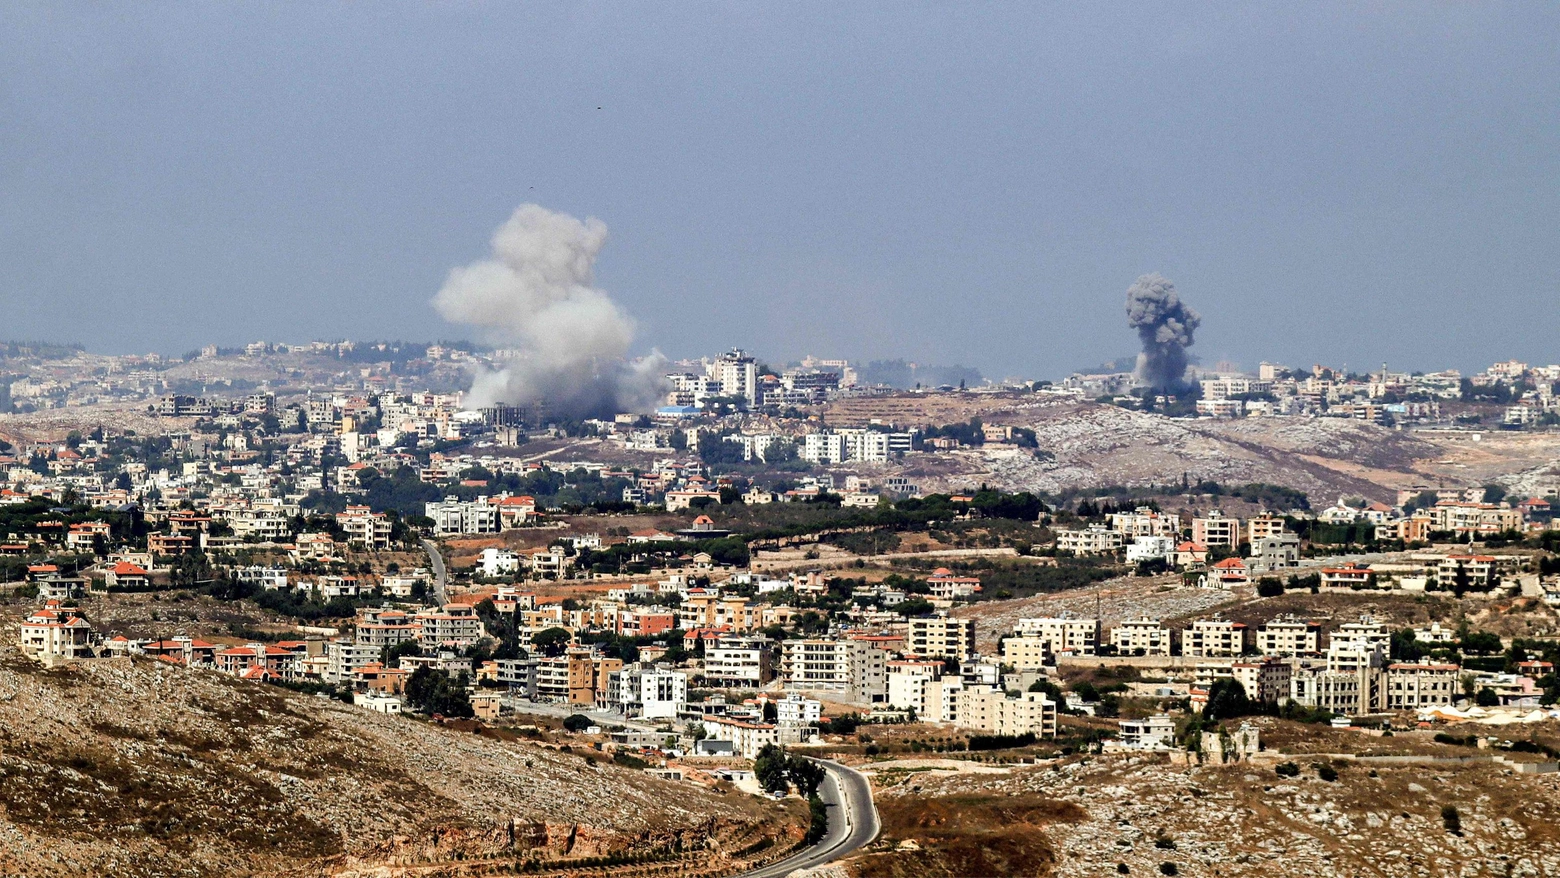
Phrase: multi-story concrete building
pixel 852 670
pixel 1213 638
pixel 648 693
pixel 1140 636
pixel 1066 633
pixel 1413 686
pixel 1216 530
pixel 737 661
pixel 1093 540
pixel 989 709
pixel 1288 636
pixel 941 637
pixel 1027 652
pixel 454 626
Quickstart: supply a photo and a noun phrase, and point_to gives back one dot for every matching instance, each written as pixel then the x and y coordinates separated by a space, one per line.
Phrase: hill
pixel 132 768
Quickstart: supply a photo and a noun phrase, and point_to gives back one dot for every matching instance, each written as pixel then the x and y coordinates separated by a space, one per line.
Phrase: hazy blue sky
pixel 948 182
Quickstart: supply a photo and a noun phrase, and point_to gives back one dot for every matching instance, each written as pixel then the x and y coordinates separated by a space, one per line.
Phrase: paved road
pixel 853 823
pixel 437 561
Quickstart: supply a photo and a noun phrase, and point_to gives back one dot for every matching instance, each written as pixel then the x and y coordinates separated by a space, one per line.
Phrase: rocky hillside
pixel 114 767
pixel 1126 814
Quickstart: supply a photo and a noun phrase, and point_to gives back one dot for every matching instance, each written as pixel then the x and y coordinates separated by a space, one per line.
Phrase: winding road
pixel 437 562
pixel 853 823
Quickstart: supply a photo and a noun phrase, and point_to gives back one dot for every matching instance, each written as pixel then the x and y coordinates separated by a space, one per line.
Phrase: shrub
pixel 577 722
pixel 1327 773
pixel 1451 819
pixel 1168 869
pixel 1287 769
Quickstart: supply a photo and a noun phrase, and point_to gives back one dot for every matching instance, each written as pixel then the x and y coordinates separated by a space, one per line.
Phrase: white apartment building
pixel 648 693
pixel 941 637
pixel 733 661
pixel 454 625
pixel 342 657
pixel 1213 638
pixel 991 710
pixel 797 710
pixel 851 670
pixel 1141 636
pixel 921 686
pixel 1150 549
pixel 498 562
pixel 1093 540
pixel 455 516
pixel 1288 636
pixel 1145 522
pixel 1066 633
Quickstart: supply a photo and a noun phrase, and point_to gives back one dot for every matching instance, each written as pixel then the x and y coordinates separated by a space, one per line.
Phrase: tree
pixel 1227 699
pixel 769 767
pixel 1269 587
pixel 551 642
pixel 1487 698
pixel 577 722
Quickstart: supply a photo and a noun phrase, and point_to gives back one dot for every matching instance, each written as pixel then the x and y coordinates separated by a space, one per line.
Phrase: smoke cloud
pixel 537 295
pixel 1165 326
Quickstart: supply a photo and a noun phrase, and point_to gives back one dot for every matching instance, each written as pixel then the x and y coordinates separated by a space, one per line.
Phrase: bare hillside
pixel 114 767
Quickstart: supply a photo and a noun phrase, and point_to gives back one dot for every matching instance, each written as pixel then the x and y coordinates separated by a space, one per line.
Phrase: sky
pixel 970 183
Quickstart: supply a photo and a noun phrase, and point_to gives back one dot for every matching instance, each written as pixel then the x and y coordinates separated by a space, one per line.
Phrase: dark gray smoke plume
pixel 568 340
pixel 1165 326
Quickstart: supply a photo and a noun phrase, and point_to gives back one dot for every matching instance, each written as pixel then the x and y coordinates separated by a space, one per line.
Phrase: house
pixel 1288 636
pixel 1227 574
pixel 85 536
pixel 1355 575
pixel 365 528
pixel 283 663
pixel 56 632
pixel 1189 553
pixel 1093 540
pixel 126 576
pixel 946 586
pixel 1153 733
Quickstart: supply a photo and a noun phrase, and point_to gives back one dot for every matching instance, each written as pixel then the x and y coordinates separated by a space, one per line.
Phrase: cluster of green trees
pixel 778 771
pixel 432 691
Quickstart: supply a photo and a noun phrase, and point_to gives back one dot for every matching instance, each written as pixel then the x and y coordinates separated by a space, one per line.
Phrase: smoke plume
pixel 537 295
pixel 1165 326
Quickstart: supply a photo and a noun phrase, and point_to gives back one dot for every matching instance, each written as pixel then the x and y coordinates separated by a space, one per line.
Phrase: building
pixel 1227 574
pixel 1265 680
pixel 365 528
pixel 1213 638
pixel 1413 686
pixel 1353 575
pixel 1145 522
pixel 1216 530
pixel 1289 636
pixel 56 632
pixel 648 693
pixel 1150 549
pixel 1140 636
pixel 1274 551
pixel 922 687
pixel 1093 540
pixel 738 661
pixel 1066 633
pixel 455 516
pixel 853 671
pixel 748 738
pixel 1027 652
pixel 941 637
pixel 1153 733
pixel 793 709
pixel 454 626
pixel 990 710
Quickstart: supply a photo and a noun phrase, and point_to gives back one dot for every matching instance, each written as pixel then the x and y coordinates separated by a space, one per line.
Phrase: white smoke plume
pixel 538 295
pixel 1165 326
